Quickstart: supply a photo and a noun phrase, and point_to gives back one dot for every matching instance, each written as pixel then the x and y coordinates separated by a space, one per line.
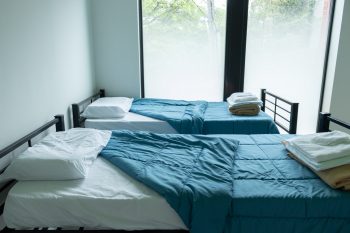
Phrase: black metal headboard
pixel 324 120
pixel 78 108
pixel 58 121
pixel 288 111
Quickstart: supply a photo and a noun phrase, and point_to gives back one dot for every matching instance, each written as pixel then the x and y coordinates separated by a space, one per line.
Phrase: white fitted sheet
pixel 131 121
pixel 106 199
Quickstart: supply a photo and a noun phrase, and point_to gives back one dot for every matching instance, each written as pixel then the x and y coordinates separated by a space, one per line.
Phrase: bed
pixel 271 193
pixel 215 119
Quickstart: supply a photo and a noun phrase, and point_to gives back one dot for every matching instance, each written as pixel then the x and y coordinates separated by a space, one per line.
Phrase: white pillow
pixel 108 107
pixel 59 156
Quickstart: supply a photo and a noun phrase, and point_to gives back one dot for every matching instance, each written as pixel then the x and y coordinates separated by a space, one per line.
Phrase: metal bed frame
pixel 58 122
pixel 323 126
pixel 324 120
pixel 278 109
pixel 78 108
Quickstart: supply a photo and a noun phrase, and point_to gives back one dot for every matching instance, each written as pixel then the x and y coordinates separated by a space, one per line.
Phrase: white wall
pixel 339 103
pixel 44 62
pixel 116 46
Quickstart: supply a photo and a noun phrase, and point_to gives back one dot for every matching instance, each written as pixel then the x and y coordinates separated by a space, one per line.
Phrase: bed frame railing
pixel 277 110
pixel 78 108
pixel 58 122
pixel 324 120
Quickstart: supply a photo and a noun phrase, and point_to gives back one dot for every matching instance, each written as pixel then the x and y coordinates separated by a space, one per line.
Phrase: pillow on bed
pixel 108 107
pixel 59 156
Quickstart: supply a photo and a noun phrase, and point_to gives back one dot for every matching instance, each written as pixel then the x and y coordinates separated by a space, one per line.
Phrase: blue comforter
pixel 193 173
pixel 217 186
pixel 187 117
pixel 219 120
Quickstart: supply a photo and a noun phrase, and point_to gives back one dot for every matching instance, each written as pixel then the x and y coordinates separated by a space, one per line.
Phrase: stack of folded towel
pixel 244 103
pixel 327 154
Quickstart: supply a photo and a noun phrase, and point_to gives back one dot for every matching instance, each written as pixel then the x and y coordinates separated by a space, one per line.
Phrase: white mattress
pixel 133 122
pixel 106 199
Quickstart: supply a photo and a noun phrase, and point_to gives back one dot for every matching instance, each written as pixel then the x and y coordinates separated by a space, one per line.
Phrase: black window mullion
pixel 236 35
pixel 142 81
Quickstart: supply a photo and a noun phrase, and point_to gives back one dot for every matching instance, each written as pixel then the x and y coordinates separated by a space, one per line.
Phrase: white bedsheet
pixel 133 122
pixel 106 199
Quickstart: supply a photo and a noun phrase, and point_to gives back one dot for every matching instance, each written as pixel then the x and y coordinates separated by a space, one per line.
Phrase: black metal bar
pixel 2 208
pixel 339 122
pixel 263 98
pixel 29 136
pixel 283 109
pixel 77 108
pixel 102 93
pixel 270 109
pixel 293 118
pixel 76 115
pixel 29 143
pixel 235 49
pixel 270 101
pixel 275 111
pixel 278 106
pixel 282 117
pixel 95 96
pixel 282 126
pixel 328 48
pixel 323 122
pixel 142 74
pixel 278 97
pixel 60 126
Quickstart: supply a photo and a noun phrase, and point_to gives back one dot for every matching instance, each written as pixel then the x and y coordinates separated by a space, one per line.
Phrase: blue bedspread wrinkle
pixel 192 172
pixel 187 117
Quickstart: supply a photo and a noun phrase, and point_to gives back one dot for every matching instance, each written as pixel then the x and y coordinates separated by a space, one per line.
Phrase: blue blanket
pixel 193 173
pixel 187 117
pixel 219 120
pixel 258 190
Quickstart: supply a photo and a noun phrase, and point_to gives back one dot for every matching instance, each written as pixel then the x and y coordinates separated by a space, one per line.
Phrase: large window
pixel 285 52
pixel 183 48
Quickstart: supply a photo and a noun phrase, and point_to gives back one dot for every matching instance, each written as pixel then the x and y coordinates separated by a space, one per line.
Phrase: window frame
pixel 235 47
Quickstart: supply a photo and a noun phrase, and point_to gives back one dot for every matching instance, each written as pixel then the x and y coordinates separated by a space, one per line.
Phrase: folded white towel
pixel 242 98
pixel 245 98
pixel 318 166
pixel 322 147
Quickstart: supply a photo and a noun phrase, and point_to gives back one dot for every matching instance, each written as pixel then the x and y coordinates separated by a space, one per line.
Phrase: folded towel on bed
pixel 243 98
pixel 245 110
pixel 337 178
pixel 244 104
pixel 318 166
pixel 322 147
